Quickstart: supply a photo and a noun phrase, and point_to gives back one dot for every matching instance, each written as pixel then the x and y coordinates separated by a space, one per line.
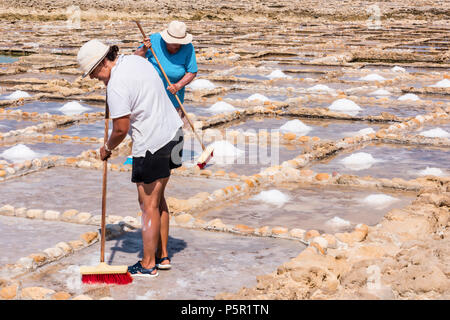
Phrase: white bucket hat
pixel 176 33
pixel 90 55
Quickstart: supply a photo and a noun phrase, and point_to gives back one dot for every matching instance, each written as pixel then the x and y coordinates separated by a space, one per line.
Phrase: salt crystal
pixel 200 84
pixel 257 96
pixel 274 197
pixel 435 133
pixel 295 126
pixel 338 223
pixel 17 95
pixel 221 106
pixel 359 161
pixel 442 84
pixel 20 153
pixel 409 96
pixel 278 74
pixel 373 77
pixel 379 200
pixel 73 108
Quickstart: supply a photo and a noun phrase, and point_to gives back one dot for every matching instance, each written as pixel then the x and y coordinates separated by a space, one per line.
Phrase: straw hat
pixel 90 55
pixel 176 33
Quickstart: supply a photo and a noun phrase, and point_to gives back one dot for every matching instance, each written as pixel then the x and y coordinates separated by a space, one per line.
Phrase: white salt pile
pixel 19 153
pixel 338 223
pixel 359 161
pixel 363 132
pixel 398 69
pixel 221 106
pixel 380 92
pixel 379 200
pixel 274 197
pixel 225 152
pixel 257 96
pixel 431 172
pixel 442 84
pixel 278 74
pixel 372 77
pixel 345 105
pixel 435 133
pixel 17 95
pixel 409 96
pixel 321 88
pixel 72 108
pixel 295 126
pixel 72 278
pixel 200 84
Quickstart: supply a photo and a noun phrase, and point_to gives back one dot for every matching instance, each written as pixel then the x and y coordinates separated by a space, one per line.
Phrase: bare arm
pixel 187 78
pixel 120 129
pixel 143 50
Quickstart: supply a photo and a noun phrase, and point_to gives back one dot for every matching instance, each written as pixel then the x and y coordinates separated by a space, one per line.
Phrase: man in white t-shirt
pixel 138 104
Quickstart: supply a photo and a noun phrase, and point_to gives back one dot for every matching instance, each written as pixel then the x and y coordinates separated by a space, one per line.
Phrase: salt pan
pixel 20 153
pixel 278 74
pixel 338 223
pixel 295 126
pixel 221 106
pixel 359 161
pixel 274 197
pixel 72 108
pixel 379 200
pixel 200 84
pixel 17 95
pixel 409 96
pixel 373 77
pixel 257 96
pixel 435 133
pixel 442 84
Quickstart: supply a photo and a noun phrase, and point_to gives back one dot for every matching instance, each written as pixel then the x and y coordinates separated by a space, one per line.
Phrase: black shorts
pixel 158 165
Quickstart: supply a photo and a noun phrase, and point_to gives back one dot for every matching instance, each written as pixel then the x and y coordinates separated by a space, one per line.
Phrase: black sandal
pixel 163 266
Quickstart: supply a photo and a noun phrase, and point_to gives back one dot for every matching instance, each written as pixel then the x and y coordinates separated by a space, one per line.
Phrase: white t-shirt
pixel 136 89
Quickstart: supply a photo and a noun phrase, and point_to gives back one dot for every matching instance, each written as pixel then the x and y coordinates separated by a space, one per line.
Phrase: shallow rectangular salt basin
pixel 93 129
pixel 52 107
pixel 391 161
pixel 10 124
pixel 310 208
pixel 8 59
pixel 332 130
pixel 20 237
pixel 64 188
pixel 233 262
pixel 41 149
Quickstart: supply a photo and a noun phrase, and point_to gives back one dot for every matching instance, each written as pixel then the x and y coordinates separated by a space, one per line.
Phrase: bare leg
pixel 164 235
pixel 149 200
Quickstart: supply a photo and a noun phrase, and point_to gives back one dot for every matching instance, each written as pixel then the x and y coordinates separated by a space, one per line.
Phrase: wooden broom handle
pixel 168 81
pixel 105 170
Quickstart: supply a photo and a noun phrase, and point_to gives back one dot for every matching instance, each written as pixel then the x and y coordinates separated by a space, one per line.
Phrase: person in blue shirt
pixel 176 54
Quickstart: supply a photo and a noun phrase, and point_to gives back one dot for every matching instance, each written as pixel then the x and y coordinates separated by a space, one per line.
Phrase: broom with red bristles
pixel 104 273
pixel 207 153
